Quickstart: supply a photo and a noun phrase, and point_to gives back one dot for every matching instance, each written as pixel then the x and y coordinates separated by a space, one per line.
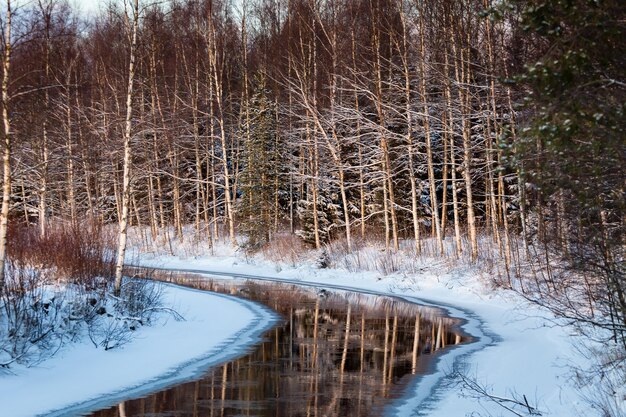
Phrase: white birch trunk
pixel 123 221
pixel 6 159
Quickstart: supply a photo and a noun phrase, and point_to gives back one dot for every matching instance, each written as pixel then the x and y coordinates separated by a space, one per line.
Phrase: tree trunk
pixel 70 152
pixel 6 159
pixel 123 221
pixel 217 83
pixel 409 132
pixel 427 133
pixel 450 132
pixel 390 203
pixel 463 77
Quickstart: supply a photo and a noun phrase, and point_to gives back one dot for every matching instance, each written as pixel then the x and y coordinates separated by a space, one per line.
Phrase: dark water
pixel 335 354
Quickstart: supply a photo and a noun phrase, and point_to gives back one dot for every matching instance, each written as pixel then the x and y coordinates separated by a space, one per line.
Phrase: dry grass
pixel 285 248
pixel 77 253
pixel 37 318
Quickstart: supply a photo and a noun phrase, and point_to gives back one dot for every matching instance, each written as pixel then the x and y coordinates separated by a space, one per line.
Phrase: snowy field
pixel 521 352
pixel 81 378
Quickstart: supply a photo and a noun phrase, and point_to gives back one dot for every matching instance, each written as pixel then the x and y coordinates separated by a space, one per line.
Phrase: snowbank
pixel 81 378
pixel 520 352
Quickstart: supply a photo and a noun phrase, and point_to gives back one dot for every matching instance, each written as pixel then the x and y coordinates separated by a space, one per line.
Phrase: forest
pixel 475 131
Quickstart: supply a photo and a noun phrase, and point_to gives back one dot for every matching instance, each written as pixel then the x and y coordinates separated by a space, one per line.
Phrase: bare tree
pixel 6 159
pixel 126 186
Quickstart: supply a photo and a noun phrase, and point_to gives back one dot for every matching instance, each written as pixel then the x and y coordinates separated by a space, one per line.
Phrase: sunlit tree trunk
pixel 427 133
pixel 449 128
pixel 87 172
pixel 409 131
pixel 358 137
pixel 462 74
pixel 123 221
pixel 46 11
pixel 388 188
pixel 6 159
pixel 335 146
pixel 501 197
pixel 216 79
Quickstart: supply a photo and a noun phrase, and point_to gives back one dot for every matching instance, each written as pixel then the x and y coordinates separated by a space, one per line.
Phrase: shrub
pixel 77 253
pixel 59 288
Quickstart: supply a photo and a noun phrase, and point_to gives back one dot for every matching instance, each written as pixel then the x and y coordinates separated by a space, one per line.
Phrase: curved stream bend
pixel 425 391
pixel 232 347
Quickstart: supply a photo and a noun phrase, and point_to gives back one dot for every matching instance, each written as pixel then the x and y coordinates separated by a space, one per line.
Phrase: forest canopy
pixel 457 123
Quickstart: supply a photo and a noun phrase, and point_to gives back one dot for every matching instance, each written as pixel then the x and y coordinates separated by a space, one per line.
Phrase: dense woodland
pixel 455 122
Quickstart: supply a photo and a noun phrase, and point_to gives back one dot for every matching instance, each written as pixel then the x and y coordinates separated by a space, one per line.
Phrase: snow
pixel 519 351
pixel 82 378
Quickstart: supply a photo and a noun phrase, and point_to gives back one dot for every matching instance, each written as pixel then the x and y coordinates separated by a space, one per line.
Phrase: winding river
pixel 334 353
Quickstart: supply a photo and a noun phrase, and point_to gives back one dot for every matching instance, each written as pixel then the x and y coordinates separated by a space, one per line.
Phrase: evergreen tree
pixel 573 150
pixel 327 219
pixel 260 172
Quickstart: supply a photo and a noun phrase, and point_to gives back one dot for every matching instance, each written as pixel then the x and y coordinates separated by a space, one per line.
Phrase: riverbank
pixel 526 353
pixel 80 377
pixel 528 358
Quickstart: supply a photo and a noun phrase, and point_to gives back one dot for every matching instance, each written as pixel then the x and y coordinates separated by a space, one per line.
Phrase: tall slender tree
pixel 6 158
pixel 128 151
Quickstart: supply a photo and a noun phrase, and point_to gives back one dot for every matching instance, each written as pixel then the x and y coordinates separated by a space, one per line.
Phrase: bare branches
pixel 517 405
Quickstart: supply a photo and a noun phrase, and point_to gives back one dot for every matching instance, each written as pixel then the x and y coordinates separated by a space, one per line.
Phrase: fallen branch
pixel 15 359
pixel 515 405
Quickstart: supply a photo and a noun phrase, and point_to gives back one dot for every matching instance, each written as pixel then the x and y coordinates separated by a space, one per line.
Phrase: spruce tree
pixel 573 149
pixel 260 171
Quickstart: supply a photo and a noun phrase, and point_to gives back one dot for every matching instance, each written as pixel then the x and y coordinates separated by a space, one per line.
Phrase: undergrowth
pixel 59 290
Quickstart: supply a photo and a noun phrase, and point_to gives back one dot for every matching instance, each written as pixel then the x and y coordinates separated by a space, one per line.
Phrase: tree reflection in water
pixel 335 354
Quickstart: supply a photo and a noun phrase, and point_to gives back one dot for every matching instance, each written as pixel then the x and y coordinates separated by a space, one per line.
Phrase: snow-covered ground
pixel 521 351
pixel 81 377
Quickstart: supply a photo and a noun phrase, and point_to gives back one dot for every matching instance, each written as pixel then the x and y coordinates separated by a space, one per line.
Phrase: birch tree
pixel 128 125
pixel 6 158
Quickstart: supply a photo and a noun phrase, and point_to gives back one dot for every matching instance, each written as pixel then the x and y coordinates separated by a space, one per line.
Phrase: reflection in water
pixel 336 354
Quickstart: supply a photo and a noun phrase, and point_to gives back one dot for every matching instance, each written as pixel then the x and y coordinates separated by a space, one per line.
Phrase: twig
pixel 6 364
pixel 506 403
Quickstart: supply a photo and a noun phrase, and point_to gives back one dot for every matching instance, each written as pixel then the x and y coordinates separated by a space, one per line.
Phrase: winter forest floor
pixel 524 353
